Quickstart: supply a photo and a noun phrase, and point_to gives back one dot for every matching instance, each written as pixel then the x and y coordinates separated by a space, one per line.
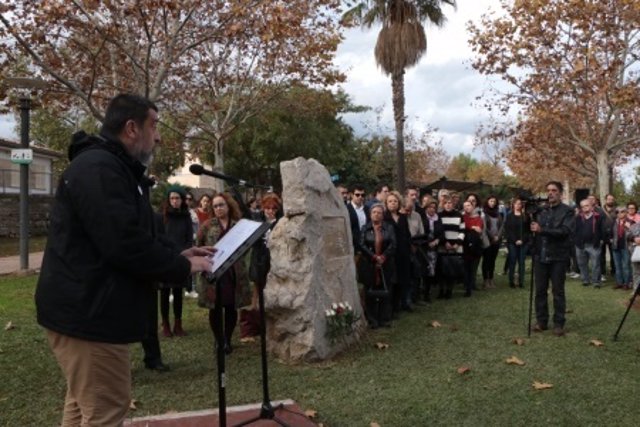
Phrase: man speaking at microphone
pixel 102 260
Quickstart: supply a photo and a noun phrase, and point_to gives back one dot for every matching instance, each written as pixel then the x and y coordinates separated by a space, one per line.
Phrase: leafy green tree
pixel 302 122
pixel 370 163
pixel 401 43
pixel 634 191
pixel 48 130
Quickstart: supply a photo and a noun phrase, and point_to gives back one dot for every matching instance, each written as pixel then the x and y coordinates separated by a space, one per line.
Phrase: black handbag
pixel 381 292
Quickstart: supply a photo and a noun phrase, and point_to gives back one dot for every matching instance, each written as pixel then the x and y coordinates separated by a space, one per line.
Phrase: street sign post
pixel 22 156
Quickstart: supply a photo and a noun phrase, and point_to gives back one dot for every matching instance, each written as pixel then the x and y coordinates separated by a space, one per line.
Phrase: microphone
pixel 197 169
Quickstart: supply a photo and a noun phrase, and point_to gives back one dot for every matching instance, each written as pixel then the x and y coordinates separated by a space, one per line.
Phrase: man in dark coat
pixel 589 237
pixel 102 260
pixel 553 229
pixel 358 215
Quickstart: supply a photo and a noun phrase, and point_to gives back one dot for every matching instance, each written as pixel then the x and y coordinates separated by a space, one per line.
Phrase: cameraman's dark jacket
pixel 103 256
pixel 589 231
pixel 554 242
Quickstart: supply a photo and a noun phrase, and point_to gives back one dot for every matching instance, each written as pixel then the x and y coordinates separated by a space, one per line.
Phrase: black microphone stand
pixel 222 394
pixel 531 286
pixel 631 301
pixel 533 217
pixel 267 410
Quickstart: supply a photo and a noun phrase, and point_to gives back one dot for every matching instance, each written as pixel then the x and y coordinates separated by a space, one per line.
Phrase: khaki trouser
pixel 98 380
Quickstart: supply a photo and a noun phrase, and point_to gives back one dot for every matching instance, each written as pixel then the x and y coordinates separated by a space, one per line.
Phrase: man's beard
pixel 145 158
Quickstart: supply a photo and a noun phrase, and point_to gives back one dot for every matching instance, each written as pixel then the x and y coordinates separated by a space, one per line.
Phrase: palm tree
pixel 401 43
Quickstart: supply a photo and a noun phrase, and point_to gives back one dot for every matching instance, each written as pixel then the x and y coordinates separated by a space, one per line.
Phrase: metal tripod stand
pixel 631 301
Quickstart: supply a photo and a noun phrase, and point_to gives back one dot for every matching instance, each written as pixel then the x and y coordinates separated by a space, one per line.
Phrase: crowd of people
pixel 409 247
pixel 107 253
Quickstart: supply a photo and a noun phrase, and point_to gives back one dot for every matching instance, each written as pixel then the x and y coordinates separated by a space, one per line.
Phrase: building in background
pixel 41 179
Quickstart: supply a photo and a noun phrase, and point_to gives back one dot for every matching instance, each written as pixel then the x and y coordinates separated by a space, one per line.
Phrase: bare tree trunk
pixel 602 166
pixel 218 165
pixel 397 89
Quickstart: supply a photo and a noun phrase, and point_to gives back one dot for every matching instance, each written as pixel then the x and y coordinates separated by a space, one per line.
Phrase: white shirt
pixel 362 218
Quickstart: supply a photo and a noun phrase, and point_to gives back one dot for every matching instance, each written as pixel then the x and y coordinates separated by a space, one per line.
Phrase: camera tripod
pixel 631 301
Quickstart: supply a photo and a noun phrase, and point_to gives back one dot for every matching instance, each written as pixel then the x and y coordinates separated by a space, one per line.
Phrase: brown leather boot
pixel 177 328
pixel 166 329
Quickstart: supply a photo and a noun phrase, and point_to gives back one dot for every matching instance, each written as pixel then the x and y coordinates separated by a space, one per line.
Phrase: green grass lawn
pixel 414 382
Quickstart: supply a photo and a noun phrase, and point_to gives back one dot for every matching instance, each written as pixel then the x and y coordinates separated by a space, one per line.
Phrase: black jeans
pixel 603 258
pixel 177 303
pixel 470 270
pixel 489 256
pixel 553 272
pixel 150 343
pixel 229 316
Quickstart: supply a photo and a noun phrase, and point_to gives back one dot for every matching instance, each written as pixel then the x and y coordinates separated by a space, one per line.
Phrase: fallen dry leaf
pixel 374 424
pixel 463 370
pixel 518 341
pixel 596 343
pixel 436 324
pixel 382 345
pixel 541 386
pixel 132 404
pixel 247 340
pixel 311 413
pixel 513 360
pixel 9 326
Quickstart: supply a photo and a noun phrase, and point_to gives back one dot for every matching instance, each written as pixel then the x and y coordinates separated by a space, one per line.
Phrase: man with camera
pixel 552 230
pixel 101 262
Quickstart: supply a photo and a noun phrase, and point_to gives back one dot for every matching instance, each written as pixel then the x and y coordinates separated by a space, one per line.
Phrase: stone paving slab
pixel 290 415
pixel 11 264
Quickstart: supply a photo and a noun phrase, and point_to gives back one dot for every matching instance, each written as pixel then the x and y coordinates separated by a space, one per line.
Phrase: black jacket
pixel 517 227
pixel 554 242
pixel 589 231
pixel 176 226
pixel 103 255
pixel 355 225
pixel 366 267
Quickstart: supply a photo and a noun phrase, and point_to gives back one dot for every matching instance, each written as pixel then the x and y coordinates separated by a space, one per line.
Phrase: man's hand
pixel 200 264
pixel 198 251
pixel 199 257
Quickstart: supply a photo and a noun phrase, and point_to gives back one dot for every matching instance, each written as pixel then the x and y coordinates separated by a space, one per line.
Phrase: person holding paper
pixel 234 284
pixel 102 260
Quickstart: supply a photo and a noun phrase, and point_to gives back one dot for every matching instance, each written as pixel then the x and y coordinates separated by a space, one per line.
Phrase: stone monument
pixel 311 266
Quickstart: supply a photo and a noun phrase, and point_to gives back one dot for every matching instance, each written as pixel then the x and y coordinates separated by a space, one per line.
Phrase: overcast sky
pixel 439 91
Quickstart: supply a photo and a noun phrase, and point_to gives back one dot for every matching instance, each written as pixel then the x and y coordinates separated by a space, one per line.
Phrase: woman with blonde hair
pixel 393 215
